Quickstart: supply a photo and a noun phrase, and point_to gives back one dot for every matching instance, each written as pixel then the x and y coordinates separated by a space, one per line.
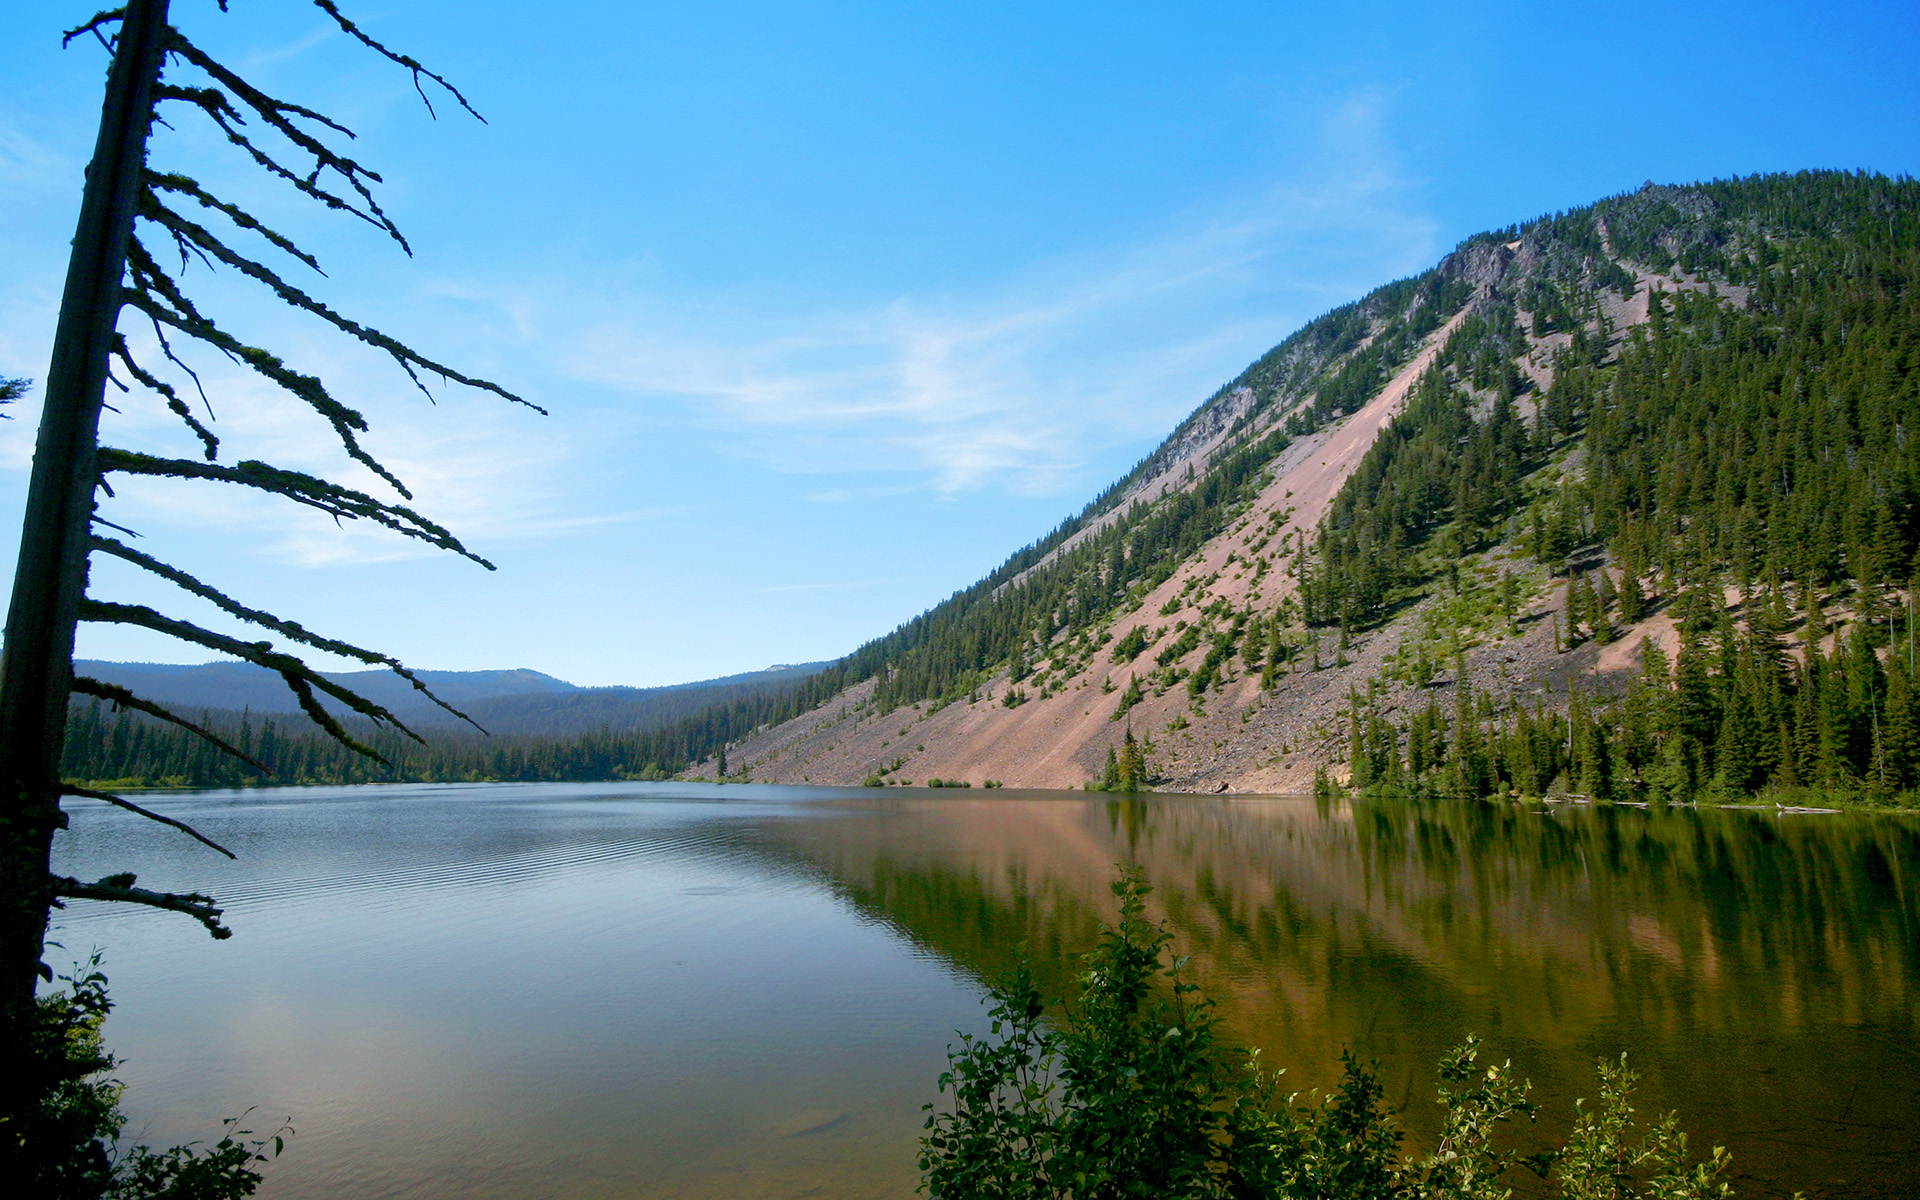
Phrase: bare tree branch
pixel 165 389
pixel 299 677
pixel 100 520
pixel 403 60
pixel 290 629
pixel 74 789
pixel 166 348
pixel 329 498
pixel 116 694
pixel 120 889
pixel 106 17
pixel 206 242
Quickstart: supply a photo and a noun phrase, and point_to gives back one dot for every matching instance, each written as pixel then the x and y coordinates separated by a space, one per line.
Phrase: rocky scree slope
pixel 1398 497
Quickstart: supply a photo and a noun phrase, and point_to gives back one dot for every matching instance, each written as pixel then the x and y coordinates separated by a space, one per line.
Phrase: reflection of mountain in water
pixel 1763 969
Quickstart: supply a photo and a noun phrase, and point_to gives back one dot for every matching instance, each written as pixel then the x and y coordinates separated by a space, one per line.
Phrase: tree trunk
pixel 36 671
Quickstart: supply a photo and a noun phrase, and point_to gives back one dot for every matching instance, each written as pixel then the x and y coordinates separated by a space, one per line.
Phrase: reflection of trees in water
pixel 1763 969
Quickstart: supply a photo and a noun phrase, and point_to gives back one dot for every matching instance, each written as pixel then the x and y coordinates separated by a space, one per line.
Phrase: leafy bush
pixel 60 1145
pixel 1130 1094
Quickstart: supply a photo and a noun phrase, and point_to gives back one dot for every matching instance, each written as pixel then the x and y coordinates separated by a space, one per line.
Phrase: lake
pixel 678 990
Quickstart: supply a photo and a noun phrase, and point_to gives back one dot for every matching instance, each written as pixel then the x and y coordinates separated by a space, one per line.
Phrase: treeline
pixel 1762 443
pixel 1762 439
pixel 1731 715
pixel 136 750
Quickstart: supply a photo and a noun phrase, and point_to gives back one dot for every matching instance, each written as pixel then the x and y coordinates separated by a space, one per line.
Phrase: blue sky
pixel 834 305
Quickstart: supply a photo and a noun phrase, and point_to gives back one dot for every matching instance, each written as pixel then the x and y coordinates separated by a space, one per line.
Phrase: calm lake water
pixel 654 990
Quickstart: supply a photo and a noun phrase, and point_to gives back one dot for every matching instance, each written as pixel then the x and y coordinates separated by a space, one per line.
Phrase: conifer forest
pixel 1512 670
pixel 1732 453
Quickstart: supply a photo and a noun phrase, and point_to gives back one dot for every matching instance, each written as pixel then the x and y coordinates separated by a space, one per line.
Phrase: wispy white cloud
pixel 261 57
pixel 1014 386
pixel 821 587
pixel 490 472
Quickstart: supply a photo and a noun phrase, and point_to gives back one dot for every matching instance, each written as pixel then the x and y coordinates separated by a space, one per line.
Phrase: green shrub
pixel 1130 1094
pixel 60 1144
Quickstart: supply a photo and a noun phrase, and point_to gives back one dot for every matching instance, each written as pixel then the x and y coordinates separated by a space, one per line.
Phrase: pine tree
pixel 1738 749
pixel 1597 619
pixel 1472 773
pixel 1253 644
pixel 1696 716
pixel 1357 757
pixel 1632 603
pixel 1133 764
pixel 1900 728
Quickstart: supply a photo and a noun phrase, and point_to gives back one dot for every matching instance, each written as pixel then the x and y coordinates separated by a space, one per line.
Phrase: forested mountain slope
pixel 1624 500
pixel 1681 416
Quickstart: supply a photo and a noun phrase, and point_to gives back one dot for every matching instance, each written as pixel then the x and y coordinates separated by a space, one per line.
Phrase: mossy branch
pixel 291 629
pixel 330 498
pixel 119 889
pixel 165 389
pixel 279 115
pixel 406 61
pixel 74 789
pixel 300 679
pixel 301 685
pixel 158 181
pixel 115 694
pixel 153 210
pixel 151 286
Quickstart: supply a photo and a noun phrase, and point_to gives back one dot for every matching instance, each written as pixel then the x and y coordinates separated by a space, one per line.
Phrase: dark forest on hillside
pixel 1763 446
pixel 1751 468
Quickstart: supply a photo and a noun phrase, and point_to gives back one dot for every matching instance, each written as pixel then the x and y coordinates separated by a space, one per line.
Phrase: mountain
pixel 505 701
pixel 238 685
pixel 630 710
pixel 1623 499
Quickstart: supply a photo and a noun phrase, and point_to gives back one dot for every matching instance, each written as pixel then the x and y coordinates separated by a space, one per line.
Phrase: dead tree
pixel 135 217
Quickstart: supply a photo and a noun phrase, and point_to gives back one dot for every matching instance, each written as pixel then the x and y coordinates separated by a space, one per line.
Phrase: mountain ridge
pixel 517 700
pixel 1526 329
pixel 1620 500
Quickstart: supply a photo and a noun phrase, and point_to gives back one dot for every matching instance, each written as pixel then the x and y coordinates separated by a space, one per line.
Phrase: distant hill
pixel 505 701
pixel 628 710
